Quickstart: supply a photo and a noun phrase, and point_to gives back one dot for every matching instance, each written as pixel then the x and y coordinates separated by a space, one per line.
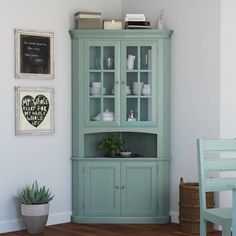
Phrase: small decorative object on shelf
pixel 130 62
pixel 125 154
pixel 88 20
pixel 131 116
pixel 111 145
pixel 160 23
pixel 146 90
pixel 112 24
pixel 106 116
pixel 109 63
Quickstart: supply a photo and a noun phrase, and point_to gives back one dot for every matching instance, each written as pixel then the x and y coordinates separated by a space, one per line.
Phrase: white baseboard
pixel 17 224
pixel 174 217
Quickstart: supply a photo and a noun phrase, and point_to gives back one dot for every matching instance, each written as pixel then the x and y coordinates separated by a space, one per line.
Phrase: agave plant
pixel 34 195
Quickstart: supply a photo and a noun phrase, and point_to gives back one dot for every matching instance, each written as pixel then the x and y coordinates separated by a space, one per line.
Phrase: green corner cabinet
pixel 121 86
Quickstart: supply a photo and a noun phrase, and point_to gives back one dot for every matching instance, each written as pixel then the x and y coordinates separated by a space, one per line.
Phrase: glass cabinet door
pixel 102 83
pixel 139 83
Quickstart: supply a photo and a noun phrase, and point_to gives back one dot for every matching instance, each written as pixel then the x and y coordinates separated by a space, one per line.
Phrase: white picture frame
pixel 34 111
pixel 34 55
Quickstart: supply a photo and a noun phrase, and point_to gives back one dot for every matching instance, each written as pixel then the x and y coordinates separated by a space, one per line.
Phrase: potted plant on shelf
pixel 111 145
pixel 35 207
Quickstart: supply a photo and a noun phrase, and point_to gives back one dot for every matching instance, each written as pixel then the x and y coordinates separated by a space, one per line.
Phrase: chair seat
pixel 217 215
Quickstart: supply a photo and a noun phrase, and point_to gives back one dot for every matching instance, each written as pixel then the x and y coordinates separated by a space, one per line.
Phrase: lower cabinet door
pixel 138 189
pixel 102 189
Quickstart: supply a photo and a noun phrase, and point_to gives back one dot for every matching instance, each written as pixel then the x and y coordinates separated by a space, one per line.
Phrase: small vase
pixel 111 153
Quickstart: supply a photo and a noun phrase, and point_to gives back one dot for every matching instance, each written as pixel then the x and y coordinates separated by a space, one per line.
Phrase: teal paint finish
pixel 102 189
pixel 121 190
pixel 139 188
pixel 219 216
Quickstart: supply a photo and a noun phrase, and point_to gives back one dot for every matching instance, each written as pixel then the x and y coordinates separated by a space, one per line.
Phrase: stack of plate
pixel 96 88
pixel 137 87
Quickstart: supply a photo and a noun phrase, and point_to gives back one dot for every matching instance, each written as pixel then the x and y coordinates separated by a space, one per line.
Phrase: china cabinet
pixel 120 84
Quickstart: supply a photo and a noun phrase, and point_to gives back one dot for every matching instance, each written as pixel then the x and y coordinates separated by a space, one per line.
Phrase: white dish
pixel 125 154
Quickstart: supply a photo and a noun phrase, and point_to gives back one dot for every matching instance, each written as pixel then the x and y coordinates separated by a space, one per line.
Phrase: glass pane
pixel 146 58
pixel 145 109
pixel 95 58
pixel 132 109
pixel 132 55
pixel 146 79
pixel 95 83
pixel 95 109
pixel 108 58
pixel 109 83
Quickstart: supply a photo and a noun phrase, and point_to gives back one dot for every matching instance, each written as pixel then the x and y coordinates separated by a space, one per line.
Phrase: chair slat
pixel 219 184
pixel 219 145
pixel 225 164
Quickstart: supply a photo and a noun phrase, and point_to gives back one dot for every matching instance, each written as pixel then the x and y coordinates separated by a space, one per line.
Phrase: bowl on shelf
pixel 125 154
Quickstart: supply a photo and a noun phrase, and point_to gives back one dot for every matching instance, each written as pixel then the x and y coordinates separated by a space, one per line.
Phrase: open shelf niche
pixel 142 144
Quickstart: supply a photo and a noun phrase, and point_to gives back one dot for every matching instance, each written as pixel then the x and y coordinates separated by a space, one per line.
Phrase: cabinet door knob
pixel 123 82
pixel 123 187
pixel 117 82
pixel 117 187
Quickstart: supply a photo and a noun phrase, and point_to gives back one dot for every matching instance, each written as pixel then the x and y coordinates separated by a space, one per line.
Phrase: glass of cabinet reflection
pixel 138 88
pixel 101 83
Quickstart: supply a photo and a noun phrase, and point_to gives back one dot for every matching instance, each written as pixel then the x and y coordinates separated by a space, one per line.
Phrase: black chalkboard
pixel 35 54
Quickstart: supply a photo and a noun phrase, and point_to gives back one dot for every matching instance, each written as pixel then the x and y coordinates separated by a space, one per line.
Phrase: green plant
pixel 34 194
pixel 111 144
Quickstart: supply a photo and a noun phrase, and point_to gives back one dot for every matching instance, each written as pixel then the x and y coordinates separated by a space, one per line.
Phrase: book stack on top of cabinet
pixel 88 20
pixel 136 21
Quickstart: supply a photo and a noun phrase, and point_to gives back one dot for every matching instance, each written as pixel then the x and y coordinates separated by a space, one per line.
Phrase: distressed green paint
pixel 105 190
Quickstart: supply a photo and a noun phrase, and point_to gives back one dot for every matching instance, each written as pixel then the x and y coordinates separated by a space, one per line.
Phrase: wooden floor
pixel 72 229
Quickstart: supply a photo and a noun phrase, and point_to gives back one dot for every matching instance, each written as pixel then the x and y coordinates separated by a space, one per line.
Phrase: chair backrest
pixel 215 164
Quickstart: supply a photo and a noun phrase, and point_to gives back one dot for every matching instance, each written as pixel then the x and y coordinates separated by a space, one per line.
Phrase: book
pixel 137 23
pixel 138 27
pixel 88 15
pixel 135 18
pixel 135 15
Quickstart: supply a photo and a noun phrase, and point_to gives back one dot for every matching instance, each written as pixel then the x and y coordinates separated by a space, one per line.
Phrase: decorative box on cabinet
pixel 114 94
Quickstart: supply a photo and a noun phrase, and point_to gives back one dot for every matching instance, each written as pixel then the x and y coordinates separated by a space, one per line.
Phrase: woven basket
pixel 189 207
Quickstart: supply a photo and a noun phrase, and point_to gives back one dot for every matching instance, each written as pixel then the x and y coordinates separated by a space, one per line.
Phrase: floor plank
pixel 72 229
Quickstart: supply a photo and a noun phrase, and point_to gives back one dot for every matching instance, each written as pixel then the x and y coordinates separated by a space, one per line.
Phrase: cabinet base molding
pixel 120 220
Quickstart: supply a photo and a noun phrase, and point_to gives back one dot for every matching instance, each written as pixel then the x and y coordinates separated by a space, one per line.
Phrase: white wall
pixel 45 158
pixel 228 78
pixel 194 89
pixel 195 78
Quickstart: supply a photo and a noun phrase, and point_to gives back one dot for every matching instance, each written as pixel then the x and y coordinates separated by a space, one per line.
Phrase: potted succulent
pixel 111 145
pixel 35 207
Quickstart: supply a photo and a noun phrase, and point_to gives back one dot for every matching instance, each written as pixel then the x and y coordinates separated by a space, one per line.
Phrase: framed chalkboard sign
pixel 34 110
pixel 34 55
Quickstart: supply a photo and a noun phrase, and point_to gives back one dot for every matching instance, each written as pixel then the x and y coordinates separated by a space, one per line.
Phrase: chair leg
pixel 202 227
pixel 226 230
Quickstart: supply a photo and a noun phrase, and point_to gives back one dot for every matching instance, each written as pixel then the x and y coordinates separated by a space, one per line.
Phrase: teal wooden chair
pixel 218 216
